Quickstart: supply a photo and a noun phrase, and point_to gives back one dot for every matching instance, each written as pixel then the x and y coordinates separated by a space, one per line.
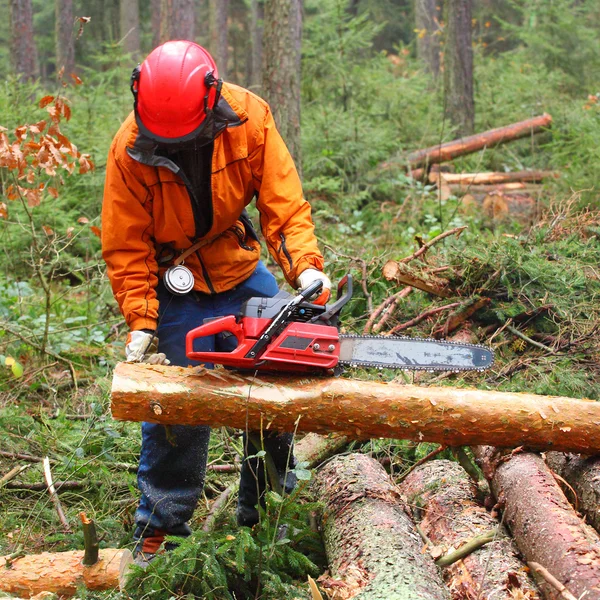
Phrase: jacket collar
pixel 228 111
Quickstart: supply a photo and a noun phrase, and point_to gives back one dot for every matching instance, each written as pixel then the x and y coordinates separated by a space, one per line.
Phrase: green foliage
pixel 237 562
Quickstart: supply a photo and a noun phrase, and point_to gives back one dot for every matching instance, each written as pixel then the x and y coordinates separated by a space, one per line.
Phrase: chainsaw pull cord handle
pixel 282 318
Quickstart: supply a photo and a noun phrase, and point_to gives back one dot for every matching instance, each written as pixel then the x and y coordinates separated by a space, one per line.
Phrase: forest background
pixel 371 89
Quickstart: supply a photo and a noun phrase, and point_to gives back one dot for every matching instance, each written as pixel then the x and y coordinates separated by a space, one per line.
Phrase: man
pixel 181 170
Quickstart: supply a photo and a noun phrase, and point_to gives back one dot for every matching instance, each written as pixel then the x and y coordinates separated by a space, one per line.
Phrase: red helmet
pixel 175 90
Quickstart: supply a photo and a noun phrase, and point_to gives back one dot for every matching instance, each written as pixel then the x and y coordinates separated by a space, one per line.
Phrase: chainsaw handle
pixel 213 327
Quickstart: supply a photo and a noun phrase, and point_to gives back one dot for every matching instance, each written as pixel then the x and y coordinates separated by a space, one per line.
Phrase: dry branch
pixel 468 145
pixel 544 525
pixel 63 572
pixel 54 496
pixel 372 546
pixel 358 409
pixel 444 499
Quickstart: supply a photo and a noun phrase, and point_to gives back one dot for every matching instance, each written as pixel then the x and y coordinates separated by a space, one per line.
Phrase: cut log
pixel 543 523
pixel 314 449
pixel 470 179
pixel 444 499
pixel 501 205
pixel 500 188
pixel 62 572
pixel 479 141
pixel 582 473
pixel 406 275
pixel 358 409
pixel 372 545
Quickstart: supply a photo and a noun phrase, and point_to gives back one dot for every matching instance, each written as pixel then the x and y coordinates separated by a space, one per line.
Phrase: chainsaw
pixel 289 333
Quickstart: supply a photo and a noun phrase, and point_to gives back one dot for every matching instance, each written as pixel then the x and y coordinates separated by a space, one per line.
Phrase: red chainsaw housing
pixel 299 347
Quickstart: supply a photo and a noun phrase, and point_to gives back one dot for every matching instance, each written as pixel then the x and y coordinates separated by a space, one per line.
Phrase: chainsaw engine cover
pixel 268 308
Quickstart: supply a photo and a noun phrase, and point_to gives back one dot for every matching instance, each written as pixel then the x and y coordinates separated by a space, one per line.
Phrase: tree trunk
pixel 62 572
pixel 479 141
pixel 314 448
pixel 22 44
pixel 65 43
pixel 281 69
pixel 183 20
pixel 130 27
pixel 371 543
pixel 543 523
pixel 156 21
pixel 444 499
pixel 427 21
pixel 219 38
pixel 358 409
pixel 257 15
pixel 458 67
pixel 582 473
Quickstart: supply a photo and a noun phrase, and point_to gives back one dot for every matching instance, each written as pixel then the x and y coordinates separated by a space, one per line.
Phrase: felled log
pixel 501 205
pixel 314 449
pixel 504 188
pixel 543 523
pixel 407 275
pixel 492 178
pixel 479 141
pixel 62 572
pixel 444 499
pixel 358 409
pixel 372 546
pixel 582 473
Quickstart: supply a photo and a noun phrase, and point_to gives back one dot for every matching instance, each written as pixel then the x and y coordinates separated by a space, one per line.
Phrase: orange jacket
pixel 147 210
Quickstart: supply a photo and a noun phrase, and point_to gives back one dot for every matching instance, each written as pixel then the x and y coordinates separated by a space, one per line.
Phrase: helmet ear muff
pixel 133 83
pixel 210 81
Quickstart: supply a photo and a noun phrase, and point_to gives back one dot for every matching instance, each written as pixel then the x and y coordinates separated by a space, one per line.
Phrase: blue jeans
pixel 173 461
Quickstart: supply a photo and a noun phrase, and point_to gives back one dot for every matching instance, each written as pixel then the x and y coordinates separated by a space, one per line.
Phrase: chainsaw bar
pixel 415 354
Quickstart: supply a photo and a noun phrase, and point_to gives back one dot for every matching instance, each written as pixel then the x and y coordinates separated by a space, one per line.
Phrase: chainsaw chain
pixel 413 367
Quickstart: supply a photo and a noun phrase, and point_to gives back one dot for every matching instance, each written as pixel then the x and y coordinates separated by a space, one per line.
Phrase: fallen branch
pixel 423 249
pixel 467 548
pixel 54 496
pixel 424 315
pixel 420 462
pixel 217 505
pixel 14 472
pixel 474 143
pixel 464 311
pixel 387 307
pixel 549 578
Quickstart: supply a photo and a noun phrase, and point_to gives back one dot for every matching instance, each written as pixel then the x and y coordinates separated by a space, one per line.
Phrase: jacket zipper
pixel 285 251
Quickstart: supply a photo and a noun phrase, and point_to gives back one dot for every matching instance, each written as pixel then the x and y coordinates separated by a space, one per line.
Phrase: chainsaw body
pixel 284 332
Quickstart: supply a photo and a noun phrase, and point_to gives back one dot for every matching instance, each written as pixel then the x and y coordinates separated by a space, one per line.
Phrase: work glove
pixel 142 346
pixel 310 276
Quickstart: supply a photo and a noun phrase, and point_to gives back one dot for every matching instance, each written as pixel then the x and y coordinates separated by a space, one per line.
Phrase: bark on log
pixel 371 543
pixel 444 499
pixel 582 473
pixel 544 525
pixel 62 572
pixel 435 176
pixel 479 141
pixel 358 409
